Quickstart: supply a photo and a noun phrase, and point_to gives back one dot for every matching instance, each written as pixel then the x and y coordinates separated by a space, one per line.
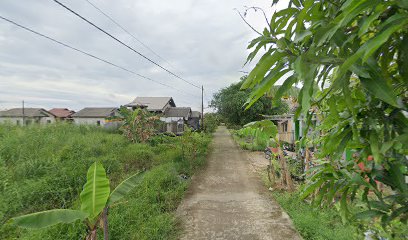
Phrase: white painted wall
pixel 171 119
pixel 89 121
pixel 15 120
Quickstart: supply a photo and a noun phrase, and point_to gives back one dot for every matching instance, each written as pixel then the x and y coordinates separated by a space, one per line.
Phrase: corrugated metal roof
pixel 152 103
pixel 195 114
pixel 95 112
pixel 178 112
pixel 28 112
pixel 62 112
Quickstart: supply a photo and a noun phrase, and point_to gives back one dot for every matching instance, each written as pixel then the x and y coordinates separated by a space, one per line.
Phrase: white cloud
pixel 205 42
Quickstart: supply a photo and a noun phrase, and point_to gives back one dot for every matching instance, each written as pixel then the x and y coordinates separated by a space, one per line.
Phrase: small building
pixel 289 129
pixel 194 120
pixel 152 104
pixel 107 117
pixel 26 116
pixel 62 114
pixel 176 118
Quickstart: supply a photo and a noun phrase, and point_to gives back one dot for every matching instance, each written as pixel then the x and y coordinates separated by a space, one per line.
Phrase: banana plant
pixel 96 198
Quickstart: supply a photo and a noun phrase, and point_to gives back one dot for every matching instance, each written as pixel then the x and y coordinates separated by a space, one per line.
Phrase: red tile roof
pixel 62 112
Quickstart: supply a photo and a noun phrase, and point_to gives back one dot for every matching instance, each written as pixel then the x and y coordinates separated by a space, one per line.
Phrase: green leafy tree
pixel 229 105
pixel 351 57
pixel 96 198
pixel 211 122
pixel 139 125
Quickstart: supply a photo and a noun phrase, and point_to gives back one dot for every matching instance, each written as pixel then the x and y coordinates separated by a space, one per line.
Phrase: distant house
pixel 28 116
pixel 289 129
pixel 176 118
pixel 62 114
pixel 152 104
pixel 194 120
pixel 107 117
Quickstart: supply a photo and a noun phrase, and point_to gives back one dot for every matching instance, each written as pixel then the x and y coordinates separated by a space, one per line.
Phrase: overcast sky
pixel 203 40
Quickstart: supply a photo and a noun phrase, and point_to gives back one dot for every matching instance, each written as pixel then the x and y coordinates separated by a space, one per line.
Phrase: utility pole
pixel 202 107
pixel 23 114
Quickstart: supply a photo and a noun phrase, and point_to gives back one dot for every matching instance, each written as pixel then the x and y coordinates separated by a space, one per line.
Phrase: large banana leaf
pixel 124 188
pixel 48 218
pixel 95 192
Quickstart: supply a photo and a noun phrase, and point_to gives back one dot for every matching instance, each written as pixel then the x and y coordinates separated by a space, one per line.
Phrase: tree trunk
pixel 307 159
pixel 92 235
pixel 286 173
pixel 105 224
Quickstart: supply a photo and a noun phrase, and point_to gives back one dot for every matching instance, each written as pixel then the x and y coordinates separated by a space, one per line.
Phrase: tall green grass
pixel 44 167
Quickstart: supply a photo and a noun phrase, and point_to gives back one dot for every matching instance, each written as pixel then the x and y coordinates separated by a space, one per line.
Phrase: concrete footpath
pixel 228 201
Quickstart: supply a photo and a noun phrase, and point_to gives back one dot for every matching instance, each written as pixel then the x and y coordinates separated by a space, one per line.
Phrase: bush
pixel 211 122
pixel 44 167
pixel 321 224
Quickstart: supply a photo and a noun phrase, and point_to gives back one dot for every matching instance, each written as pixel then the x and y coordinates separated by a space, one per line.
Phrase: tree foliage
pixel 230 100
pixel 351 57
pixel 139 125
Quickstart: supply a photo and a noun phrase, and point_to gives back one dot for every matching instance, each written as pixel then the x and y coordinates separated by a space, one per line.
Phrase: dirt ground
pixel 227 200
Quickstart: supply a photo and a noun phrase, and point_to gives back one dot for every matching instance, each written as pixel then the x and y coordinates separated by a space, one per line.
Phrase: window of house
pixel 285 127
pixel 48 121
pixel 28 122
pixel 18 122
pixel 98 123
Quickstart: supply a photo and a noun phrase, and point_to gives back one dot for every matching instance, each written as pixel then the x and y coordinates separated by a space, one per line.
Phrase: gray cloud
pixel 204 41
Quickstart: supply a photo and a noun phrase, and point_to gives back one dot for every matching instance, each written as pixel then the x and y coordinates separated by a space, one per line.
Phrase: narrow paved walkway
pixel 228 201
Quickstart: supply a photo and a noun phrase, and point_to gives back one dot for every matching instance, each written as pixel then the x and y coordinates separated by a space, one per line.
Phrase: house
pixel 62 114
pixel 290 130
pixel 107 117
pixel 176 118
pixel 26 116
pixel 194 120
pixel 152 104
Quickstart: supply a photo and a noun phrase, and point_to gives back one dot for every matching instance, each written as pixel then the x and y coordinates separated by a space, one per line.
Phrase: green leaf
pixel 374 146
pixel 95 192
pixel 397 177
pixel 305 73
pixel 287 84
pixel 302 35
pixel 368 214
pixel 373 44
pixel 266 85
pixel 369 20
pixel 48 218
pixel 311 187
pixel 124 188
pixel 266 127
pixel 344 212
pixel 261 68
pixel 386 146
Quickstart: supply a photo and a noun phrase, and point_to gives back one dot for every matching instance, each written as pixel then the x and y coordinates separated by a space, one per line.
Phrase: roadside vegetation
pixel 350 59
pixel 322 224
pixel 44 167
pixel 229 104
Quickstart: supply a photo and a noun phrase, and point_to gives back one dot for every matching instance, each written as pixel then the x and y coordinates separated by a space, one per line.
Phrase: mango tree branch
pixel 242 17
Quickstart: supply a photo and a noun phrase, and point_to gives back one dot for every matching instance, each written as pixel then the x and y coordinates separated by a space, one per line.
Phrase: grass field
pixel 45 167
pixel 314 223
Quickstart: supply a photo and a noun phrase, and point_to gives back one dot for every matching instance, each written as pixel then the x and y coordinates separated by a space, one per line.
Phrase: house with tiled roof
pixel 152 104
pixel 176 118
pixel 26 116
pixel 62 114
pixel 99 116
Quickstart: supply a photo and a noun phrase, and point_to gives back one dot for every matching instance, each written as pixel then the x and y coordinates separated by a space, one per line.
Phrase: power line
pixel 126 31
pixel 90 55
pixel 124 44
